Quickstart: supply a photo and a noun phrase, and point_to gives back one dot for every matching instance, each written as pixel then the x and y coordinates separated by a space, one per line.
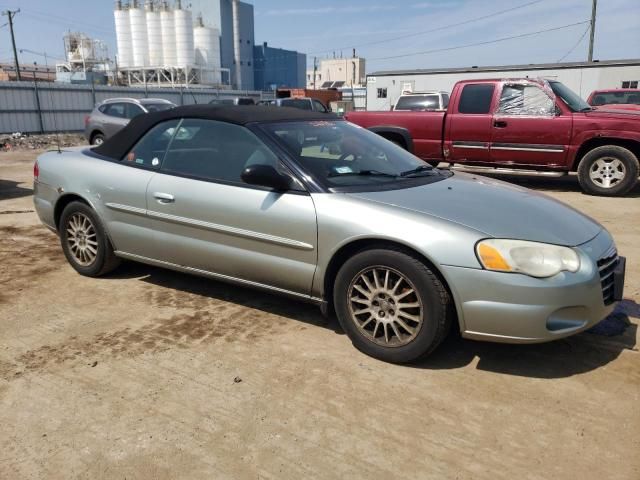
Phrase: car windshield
pixel 340 154
pixel 158 107
pixel 302 104
pixel 569 97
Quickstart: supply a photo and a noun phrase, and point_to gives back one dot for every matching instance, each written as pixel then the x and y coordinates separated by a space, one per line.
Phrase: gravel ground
pixel 153 374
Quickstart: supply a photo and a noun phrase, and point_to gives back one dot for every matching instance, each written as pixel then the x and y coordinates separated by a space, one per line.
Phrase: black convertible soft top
pixel 122 142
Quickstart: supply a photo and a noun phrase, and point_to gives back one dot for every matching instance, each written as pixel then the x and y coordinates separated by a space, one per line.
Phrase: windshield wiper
pixel 363 173
pixel 425 170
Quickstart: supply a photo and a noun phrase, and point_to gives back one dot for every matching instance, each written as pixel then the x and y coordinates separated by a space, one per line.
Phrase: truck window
pixel 476 98
pixel 418 102
pixel 445 100
pixel 519 99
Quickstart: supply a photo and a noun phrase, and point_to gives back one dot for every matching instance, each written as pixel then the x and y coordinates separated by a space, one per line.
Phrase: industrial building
pixel 277 67
pixel 384 87
pixel 234 21
pixel 337 72
pixel 159 44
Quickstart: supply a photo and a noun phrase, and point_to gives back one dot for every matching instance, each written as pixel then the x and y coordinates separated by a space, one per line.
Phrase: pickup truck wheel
pixel 609 170
pixel 84 241
pixel 391 305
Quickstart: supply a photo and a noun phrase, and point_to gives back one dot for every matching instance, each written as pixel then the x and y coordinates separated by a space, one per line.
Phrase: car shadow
pixel 10 189
pixel 581 353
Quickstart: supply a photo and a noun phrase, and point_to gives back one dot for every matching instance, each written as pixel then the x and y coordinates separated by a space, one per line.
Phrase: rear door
pixel 117 118
pixel 207 219
pixel 121 187
pixel 468 124
pixel 527 129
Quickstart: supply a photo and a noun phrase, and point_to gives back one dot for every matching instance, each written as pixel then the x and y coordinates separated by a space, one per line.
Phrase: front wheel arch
pixel 348 250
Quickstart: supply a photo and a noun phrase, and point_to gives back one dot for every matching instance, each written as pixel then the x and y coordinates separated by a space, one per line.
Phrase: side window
pixel 116 110
pixel 476 98
pixel 525 100
pixel 151 148
pixel 133 110
pixel 445 100
pixel 319 107
pixel 212 150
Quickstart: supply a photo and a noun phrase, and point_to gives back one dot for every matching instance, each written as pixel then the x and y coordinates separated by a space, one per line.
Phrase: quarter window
pixel 476 98
pixel 212 150
pixel 151 148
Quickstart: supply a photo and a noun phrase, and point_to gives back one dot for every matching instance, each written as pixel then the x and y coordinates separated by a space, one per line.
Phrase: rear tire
pixel 400 311
pixel 84 241
pixel 97 139
pixel 609 170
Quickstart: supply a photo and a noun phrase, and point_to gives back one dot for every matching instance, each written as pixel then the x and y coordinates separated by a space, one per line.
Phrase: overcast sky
pixel 372 27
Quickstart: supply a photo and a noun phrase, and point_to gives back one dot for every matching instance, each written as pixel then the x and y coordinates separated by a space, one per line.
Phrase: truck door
pixel 528 129
pixel 468 124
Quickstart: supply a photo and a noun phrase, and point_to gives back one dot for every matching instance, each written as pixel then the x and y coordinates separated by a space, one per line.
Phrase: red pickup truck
pixel 521 126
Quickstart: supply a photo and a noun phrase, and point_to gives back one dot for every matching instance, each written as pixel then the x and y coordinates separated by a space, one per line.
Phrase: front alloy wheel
pixel 385 306
pixel 391 304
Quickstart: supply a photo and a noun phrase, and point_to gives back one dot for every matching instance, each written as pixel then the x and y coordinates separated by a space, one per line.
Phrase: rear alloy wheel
pixel 391 305
pixel 97 139
pixel 84 241
pixel 609 170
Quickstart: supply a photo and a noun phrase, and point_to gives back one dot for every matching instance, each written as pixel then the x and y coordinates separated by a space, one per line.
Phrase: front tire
pixel 84 241
pixel 391 305
pixel 609 170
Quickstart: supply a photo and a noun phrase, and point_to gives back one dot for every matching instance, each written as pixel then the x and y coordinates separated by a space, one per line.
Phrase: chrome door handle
pixel 164 197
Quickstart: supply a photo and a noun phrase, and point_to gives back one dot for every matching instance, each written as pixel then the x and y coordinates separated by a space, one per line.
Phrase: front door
pixel 527 130
pixel 468 125
pixel 207 219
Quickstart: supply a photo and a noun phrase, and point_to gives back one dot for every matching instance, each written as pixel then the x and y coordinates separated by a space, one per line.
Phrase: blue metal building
pixel 276 67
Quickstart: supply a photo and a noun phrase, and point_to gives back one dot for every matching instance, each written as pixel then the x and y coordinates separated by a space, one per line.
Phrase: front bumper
pixel 515 308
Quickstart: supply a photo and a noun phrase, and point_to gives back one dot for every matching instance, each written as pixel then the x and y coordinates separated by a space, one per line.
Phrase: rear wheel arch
pixel 356 246
pixel 399 136
pixel 62 202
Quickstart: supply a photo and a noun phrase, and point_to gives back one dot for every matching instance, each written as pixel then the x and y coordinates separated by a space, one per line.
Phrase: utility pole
pixel 593 28
pixel 315 69
pixel 10 14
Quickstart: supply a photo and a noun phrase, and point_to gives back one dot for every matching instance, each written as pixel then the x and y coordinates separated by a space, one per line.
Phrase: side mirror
pixel 266 176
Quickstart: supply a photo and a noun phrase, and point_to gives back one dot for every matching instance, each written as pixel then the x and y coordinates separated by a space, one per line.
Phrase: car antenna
pixel 192 95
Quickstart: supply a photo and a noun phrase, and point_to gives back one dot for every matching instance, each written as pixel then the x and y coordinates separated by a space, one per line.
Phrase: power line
pixel 424 32
pixel 487 42
pixel 576 45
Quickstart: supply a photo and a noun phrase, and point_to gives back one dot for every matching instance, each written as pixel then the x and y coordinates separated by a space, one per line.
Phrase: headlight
pixel 531 258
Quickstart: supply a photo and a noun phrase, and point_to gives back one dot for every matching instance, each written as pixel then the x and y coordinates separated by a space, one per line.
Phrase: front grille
pixel 606 266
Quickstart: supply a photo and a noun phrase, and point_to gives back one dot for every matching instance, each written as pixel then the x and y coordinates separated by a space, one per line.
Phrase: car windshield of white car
pixel 340 154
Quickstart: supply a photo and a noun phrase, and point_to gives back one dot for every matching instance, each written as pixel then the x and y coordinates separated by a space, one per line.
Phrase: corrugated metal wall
pixel 30 107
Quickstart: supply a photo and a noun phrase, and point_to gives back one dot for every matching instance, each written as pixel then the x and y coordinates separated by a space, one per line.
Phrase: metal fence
pixel 40 107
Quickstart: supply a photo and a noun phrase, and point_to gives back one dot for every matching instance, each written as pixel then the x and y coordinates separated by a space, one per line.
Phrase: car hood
pixel 628 112
pixel 495 208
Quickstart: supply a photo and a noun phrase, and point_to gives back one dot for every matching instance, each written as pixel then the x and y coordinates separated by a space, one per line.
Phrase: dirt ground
pixel 153 374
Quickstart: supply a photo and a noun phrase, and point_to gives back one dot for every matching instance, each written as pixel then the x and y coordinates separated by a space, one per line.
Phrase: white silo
pixel 207 49
pixel 139 40
pixel 123 36
pixel 154 35
pixel 168 29
pixel 185 51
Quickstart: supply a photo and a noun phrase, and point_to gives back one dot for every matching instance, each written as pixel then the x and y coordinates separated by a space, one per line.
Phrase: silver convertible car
pixel 311 206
